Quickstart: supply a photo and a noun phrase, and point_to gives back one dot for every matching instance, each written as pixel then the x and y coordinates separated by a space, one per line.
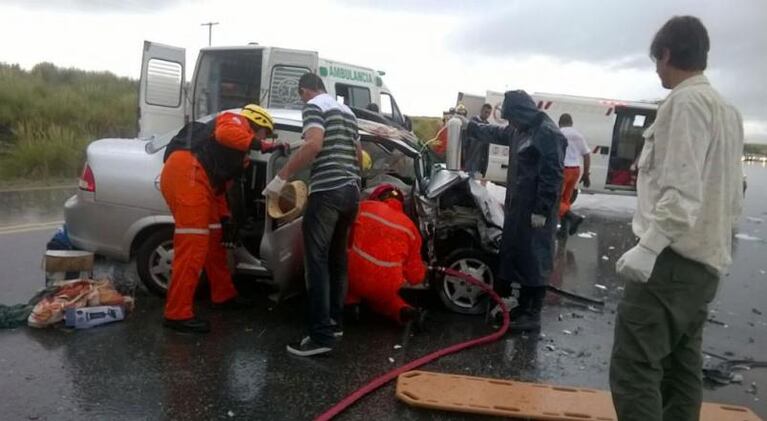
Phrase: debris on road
pixel 573 296
pixel 391 360
pixel 14 316
pixel 753 389
pixel 605 258
pixel 600 286
pixel 397 346
pixel 87 317
pixel 717 322
pixel 587 234
pixel 747 237
pixel 756 311
pixel 76 294
pixel 724 373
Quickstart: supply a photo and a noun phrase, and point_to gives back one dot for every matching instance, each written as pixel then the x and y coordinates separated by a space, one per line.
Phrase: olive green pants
pixel 655 369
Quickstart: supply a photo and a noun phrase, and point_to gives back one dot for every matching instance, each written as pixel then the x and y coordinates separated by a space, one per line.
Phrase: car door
pixel 162 98
pixel 282 243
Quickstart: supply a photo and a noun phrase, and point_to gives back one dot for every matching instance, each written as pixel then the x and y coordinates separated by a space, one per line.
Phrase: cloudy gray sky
pixel 429 49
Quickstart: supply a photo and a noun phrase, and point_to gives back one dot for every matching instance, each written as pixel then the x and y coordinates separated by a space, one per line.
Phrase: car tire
pixel 154 259
pixel 458 295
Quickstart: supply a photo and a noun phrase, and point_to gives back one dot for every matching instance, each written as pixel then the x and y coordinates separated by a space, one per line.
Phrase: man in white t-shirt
pixel 577 150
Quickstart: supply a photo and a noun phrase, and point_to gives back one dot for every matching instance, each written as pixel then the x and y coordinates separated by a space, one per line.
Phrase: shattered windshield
pixel 388 165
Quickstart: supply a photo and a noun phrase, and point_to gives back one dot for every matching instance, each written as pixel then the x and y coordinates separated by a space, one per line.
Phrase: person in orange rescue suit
pixel 384 253
pixel 193 182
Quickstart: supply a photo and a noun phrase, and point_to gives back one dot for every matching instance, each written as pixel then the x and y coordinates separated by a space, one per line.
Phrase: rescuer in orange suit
pixel 384 253
pixel 194 182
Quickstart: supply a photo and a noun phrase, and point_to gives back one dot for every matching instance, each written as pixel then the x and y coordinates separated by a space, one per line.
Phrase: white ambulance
pixel 612 128
pixel 230 77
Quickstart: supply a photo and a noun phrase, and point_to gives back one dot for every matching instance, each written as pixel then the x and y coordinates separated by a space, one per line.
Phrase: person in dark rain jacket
pixel 534 181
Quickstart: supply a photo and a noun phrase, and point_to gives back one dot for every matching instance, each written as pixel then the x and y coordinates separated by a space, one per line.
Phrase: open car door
pixel 282 242
pixel 162 102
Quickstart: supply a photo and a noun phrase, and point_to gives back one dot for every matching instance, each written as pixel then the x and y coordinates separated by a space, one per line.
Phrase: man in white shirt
pixel 689 193
pixel 577 150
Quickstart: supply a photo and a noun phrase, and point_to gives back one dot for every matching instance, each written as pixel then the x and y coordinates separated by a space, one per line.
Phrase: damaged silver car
pixel 119 212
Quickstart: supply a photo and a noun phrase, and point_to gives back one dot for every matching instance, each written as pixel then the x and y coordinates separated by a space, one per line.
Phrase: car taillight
pixel 87 181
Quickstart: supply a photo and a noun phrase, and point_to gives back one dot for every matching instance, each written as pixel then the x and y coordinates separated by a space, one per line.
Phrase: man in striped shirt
pixel 333 150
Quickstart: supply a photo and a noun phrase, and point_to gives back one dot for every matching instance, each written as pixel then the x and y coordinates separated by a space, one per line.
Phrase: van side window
pixel 283 92
pixel 226 79
pixel 352 96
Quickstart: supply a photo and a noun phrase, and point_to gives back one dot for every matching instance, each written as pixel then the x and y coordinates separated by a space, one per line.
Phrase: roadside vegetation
pixel 48 115
pixel 755 149
pixel 426 127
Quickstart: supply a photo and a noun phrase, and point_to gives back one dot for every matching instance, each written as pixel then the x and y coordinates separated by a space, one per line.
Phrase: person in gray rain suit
pixel 534 182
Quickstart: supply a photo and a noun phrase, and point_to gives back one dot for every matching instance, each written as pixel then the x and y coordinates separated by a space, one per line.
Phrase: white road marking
pixel 15 229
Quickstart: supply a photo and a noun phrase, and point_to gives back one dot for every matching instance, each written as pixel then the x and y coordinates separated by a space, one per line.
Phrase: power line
pixel 210 30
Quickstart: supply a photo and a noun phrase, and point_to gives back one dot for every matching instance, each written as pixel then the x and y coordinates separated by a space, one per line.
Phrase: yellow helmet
pixel 367 161
pixel 461 109
pixel 259 116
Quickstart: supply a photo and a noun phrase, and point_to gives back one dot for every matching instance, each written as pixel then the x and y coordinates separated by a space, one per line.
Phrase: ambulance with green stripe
pixel 230 77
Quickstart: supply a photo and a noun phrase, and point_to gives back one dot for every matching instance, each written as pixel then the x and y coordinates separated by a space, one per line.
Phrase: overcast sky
pixel 430 49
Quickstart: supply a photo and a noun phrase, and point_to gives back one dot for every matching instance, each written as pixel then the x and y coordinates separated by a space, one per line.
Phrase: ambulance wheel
pixel 457 294
pixel 154 259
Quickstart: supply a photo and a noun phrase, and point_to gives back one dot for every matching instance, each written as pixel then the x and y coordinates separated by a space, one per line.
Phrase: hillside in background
pixel 48 115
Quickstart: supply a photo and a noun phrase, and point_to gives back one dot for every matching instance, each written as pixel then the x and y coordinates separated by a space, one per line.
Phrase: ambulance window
pixel 227 79
pixel 353 96
pixel 163 86
pixel 284 90
pixel 389 108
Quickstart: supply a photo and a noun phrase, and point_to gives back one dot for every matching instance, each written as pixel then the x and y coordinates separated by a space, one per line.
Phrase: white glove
pixel 537 221
pixel 637 264
pixel 275 186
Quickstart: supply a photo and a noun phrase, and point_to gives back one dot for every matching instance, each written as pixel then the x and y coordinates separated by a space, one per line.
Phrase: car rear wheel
pixel 154 259
pixel 457 294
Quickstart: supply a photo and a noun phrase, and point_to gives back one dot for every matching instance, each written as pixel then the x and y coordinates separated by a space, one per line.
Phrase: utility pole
pixel 210 30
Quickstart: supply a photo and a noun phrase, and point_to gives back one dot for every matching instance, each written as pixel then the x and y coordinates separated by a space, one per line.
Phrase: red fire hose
pixel 386 378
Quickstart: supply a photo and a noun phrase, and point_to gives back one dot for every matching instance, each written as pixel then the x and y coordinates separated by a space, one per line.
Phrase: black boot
pixel 188 326
pixel 575 222
pixel 414 316
pixel 528 319
pixel 522 301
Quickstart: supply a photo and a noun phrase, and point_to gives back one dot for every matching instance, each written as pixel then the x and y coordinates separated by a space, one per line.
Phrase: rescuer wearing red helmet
pixel 384 253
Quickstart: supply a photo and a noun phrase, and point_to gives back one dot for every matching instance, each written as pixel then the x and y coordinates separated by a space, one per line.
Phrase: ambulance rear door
pixel 162 97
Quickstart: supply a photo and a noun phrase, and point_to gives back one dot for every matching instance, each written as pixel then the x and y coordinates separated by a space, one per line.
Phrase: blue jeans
pixel 327 220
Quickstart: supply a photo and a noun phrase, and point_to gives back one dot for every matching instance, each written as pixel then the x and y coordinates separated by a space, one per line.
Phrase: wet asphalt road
pixel 137 370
